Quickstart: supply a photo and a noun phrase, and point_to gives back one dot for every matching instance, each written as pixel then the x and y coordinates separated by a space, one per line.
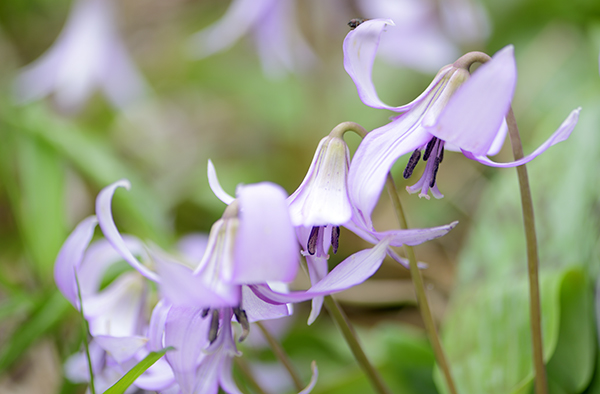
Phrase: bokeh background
pixel 256 126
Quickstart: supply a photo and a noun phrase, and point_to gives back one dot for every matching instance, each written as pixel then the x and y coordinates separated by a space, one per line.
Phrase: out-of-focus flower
pixel 428 33
pixel 457 112
pixel 116 314
pixel 273 26
pixel 89 54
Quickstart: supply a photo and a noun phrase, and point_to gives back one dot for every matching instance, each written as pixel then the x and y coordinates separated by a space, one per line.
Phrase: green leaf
pixel 571 366
pixel 488 341
pixel 127 380
pixel 43 320
pixel 41 210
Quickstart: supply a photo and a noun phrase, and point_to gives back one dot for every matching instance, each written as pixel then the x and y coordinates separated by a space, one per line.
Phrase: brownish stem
pixel 417 279
pixel 541 384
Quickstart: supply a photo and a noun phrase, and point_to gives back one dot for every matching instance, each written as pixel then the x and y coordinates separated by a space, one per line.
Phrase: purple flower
pixel 88 54
pixel 272 24
pixel 427 34
pixel 457 112
pixel 122 333
pixel 321 205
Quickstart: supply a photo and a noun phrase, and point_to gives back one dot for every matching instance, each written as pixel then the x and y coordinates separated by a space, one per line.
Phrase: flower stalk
pixel 342 322
pixel 541 385
pixel 417 279
pixel 282 356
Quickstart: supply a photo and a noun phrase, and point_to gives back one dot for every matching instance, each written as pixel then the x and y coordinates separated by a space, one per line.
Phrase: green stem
pixel 541 385
pixel 282 356
pixel 420 291
pixel 86 330
pixel 341 320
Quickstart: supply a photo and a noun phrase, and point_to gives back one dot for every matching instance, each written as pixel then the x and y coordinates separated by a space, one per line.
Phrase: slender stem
pixel 86 330
pixel 341 320
pixel 541 385
pixel 243 367
pixel 282 356
pixel 420 291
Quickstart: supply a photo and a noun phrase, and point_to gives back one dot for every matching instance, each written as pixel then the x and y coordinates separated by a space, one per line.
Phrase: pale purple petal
pixel 226 377
pixel 498 141
pixel 76 366
pixel 350 272
pixel 215 186
pixel 192 247
pixel 279 42
pixel 563 132
pixel 313 379
pixel 107 224
pixel 258 310
pixel 236 22
pixel 157 378
pixel 414 236
pixel 375 156
pixel 180 287
pixel 317 270
pixel 265 247
pixel 158 320
pixel 207 380
pixel 473 116
pixel 70 256
pixel 322 197
pixel 121 348
pixel 187 332
pixel 360 48
pixel 116 311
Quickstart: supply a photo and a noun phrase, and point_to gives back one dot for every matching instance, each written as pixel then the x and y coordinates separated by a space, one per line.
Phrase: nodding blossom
pixel 457 112
pixel 88 54
pixel 274 29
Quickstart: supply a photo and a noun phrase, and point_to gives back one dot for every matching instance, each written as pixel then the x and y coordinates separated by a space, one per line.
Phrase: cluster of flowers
pixel 258 244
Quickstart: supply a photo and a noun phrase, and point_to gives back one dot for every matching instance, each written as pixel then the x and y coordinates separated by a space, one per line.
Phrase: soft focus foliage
pixel 258 128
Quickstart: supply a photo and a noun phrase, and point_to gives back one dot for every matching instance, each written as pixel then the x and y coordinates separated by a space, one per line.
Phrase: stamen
pixel 214 326
pixel 441 154
pixel 436 166
pixel 312 240
pixel 205 312
pixel 412 163
pixel 335 238
pixel 429 148
pixel 242 318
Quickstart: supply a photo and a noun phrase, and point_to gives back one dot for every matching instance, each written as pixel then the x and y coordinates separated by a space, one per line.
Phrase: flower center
pixel 315 239
pixel 215 319
pixel 435 146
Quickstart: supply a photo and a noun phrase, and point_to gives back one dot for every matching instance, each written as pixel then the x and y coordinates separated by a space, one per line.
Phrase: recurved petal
pixel 313 379
pixel 215 186
pixel 258 310
pixel 350 272
pixel 107 224
pixel 414 236
pixel 375 156
pixel 472 118
pixel 121 348
pixel 360 48
pixel 265 247
pixel 70 256
pixel 563 132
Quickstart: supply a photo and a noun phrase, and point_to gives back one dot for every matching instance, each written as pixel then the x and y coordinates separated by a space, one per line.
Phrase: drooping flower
pixel 272 23
pixel 88 54
pixel 321 205
pixel 427 34
pixel 121 330
pixel 456 112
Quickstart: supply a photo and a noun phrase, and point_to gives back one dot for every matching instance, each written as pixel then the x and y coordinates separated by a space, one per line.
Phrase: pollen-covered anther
pixel 430 145
pixel 412 163
pixel 214 326
pixel 335 238
pixel 311 245
pixel 242 318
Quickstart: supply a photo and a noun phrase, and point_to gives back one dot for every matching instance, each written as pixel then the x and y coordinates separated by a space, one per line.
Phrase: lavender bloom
pixel 457 112
pixel 427 34
pixel 272 23
pixel 88 54
pixel 118 323
pixel 321 205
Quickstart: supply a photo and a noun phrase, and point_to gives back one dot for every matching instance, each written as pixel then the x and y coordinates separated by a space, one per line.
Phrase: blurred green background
pixel 255 128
